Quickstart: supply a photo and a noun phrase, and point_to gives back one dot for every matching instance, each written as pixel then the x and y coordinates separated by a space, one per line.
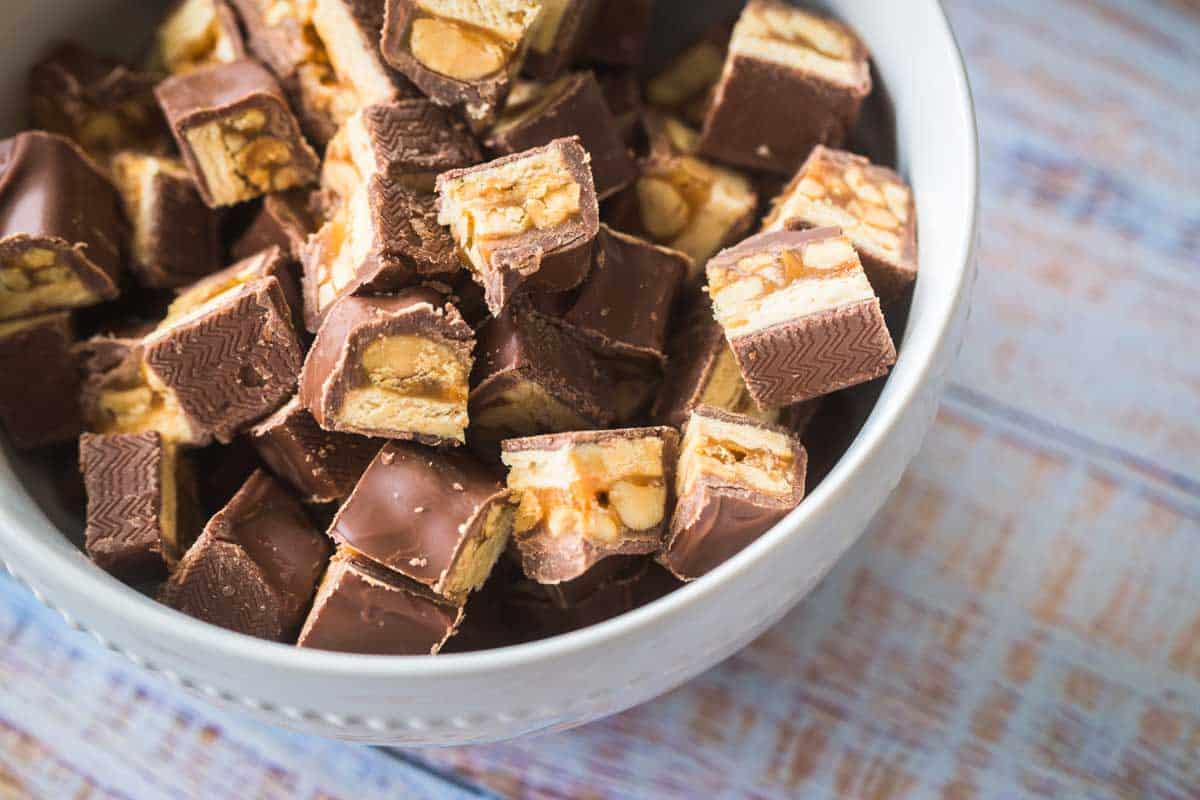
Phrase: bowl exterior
pixel 610 667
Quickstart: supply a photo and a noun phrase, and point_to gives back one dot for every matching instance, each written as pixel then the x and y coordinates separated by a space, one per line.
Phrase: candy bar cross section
pixel 800 315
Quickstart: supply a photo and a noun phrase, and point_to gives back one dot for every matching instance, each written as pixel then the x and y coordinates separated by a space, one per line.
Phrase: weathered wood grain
pixel 1023 620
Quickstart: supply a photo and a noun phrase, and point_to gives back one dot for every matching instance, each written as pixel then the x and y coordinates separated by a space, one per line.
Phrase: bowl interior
pixel 929 137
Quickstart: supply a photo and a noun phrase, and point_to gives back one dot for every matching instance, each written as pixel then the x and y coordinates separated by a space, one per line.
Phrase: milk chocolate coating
pixel 39 390
pixel 577 108
pixel 415 508
pixel 624 306
pixel 549 558
pixel 321 465
pixel 520 347
pixel 233 364
pixel 478 98
pixel 768 116
pixel 284 43
pixel 623 96
pixel 715 520
pixel 363 607
pixel 414 139
pixel 574 26
pixel 407 245
pixel 272 262
pixel 255 567
pixel 286 220
pixel 123 477
pixel 694 348
pixel 222 92
pixel 101 103
pixel 53 196
pixel 551 260
pixel 179 232
pixel 619 32
pixel 332 365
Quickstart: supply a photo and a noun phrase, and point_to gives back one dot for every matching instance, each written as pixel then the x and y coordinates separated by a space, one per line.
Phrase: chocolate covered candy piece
pixel 438 517
pixel 102 104
pixel 393 366
pixel 136 529
pixel 236 132
pixel 286 220
pixel 685 86
pixel 871 204
pixel 792 80
pixel 686 203
pixel 321 465
pixel 624 306
pixel 384 233
pixel 227 362
pixel 619 32
pixel 800 315
pixel 255 567
pixel 272 262
pixel 61 227
pixel 362 607
pixel 588 495
pixel 537 113
pixel 558 35
pixel 460 54
pixel 118 397
pixel 176 236
pixel 325 54
pixel 195 34
pixel 527 220
pixel 530 377
pixel 702 370
pixel 39 390
pixel 736 478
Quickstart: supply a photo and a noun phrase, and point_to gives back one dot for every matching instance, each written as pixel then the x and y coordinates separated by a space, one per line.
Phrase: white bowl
pixel 571 679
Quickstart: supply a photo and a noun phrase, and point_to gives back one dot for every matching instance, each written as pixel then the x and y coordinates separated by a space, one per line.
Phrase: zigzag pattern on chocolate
pixel 199 588
pixel 408 229
pixel 233 365
pixel 809 357
pixel 415 134
pixel 124 498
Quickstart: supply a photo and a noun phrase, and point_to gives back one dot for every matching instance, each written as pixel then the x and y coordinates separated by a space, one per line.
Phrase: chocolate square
pixel 558 36
pixel 39 394
pixel 195 34
pixel 460 54
pixel 438 517
pixel 792 80
pixel 273 262
pixel 800 315
pixel 61 227
pixel 237 134
pixel 228 362
pixel 323 466
pixel 588 495
pixel 736 478
pixel 100 103
pixel 393 366
pixel 176 236
pixel 255 567
pixel 527 220
pixel 530 377
pixel 136 528
pixel 619 33
pixel 574 105
pixel 362 607
pixel 871 204
pixel 325 54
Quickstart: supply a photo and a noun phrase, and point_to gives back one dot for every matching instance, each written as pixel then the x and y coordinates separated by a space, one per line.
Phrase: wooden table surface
pixel 1023 619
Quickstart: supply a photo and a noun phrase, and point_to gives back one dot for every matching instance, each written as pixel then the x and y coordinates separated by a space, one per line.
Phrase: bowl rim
pixel 911 372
